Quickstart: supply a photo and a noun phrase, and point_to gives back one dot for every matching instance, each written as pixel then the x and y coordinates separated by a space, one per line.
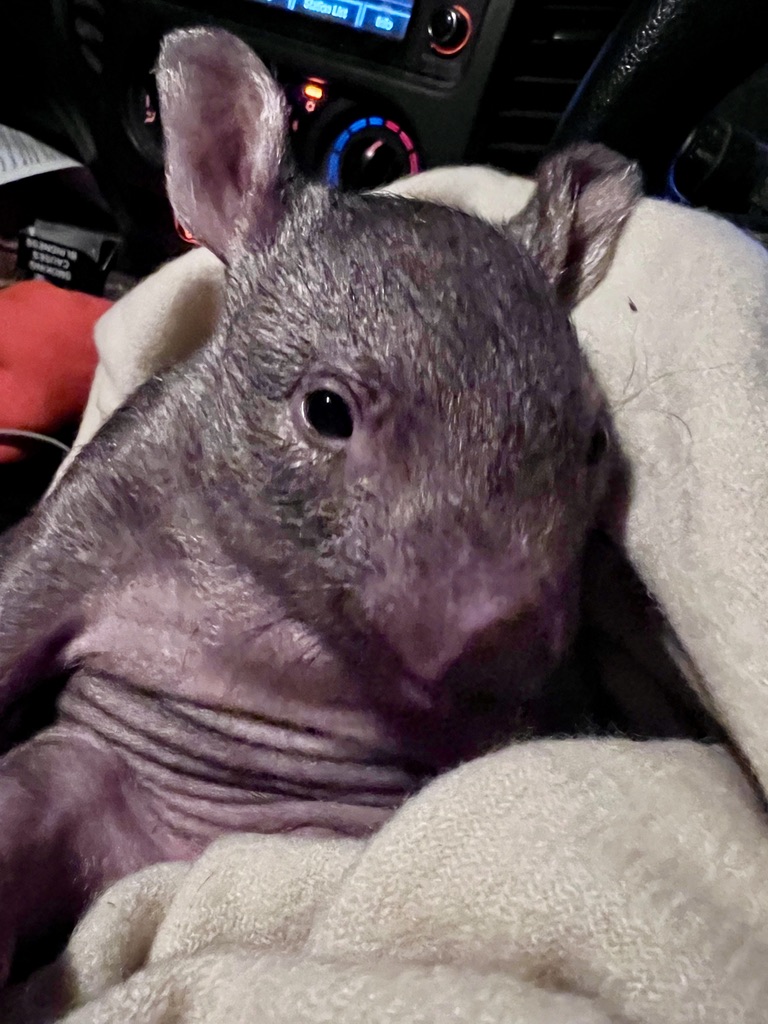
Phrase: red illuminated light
pixel 183 234
pixel 314 90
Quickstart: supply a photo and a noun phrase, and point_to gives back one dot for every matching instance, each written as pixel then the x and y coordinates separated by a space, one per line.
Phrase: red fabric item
pixel 47 357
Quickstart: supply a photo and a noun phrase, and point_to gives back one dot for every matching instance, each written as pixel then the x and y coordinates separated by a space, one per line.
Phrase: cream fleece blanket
pixel 566 882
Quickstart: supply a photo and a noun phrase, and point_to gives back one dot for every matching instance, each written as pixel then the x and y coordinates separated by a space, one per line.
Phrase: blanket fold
pixel 553 881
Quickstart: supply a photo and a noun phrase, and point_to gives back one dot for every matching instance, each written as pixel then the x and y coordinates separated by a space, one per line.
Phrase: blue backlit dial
pixel 372 152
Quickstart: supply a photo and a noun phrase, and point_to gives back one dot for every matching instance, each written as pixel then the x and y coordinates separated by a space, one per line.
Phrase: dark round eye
pixel 329 414
pixel 598 446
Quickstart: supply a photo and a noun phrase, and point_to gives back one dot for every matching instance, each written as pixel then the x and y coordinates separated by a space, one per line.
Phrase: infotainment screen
pixel 382 18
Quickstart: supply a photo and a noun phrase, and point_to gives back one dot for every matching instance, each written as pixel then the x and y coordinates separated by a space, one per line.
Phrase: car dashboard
pixel 376 89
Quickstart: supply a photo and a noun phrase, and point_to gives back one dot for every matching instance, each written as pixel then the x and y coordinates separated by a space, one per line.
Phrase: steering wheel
pixel 665 67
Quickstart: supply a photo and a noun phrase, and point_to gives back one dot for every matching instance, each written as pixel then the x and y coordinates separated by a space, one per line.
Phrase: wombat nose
pixel 430 650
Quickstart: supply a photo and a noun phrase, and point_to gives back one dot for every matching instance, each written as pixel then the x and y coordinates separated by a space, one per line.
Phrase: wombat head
pixel 404 388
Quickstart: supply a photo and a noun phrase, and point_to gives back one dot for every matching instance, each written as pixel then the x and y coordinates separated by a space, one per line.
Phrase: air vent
pixel 548 48
pixel 88 22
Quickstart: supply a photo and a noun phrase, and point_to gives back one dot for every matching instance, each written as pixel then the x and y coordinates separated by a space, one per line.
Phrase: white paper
pixel 21 156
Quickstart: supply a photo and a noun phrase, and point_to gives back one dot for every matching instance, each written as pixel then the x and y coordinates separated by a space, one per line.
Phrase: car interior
pixel 378 91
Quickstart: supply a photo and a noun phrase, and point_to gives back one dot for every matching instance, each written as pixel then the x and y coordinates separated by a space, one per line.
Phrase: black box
pixel 70 257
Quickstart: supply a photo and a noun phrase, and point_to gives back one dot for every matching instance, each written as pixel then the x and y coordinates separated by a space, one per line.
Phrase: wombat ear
pixel 225 124
pixel 571 225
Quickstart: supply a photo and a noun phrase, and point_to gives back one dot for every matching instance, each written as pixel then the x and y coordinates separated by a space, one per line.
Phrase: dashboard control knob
pixel 449 30
pixel 372 152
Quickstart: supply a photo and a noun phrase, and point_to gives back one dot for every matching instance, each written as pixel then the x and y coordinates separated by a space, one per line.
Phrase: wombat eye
pixel 328 414
pixel 598 446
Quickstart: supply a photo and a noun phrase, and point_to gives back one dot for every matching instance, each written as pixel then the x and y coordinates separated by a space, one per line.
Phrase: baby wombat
pixel 337 550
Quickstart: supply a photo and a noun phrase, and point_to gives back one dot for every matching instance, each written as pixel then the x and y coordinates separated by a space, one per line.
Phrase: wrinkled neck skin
pixel 230 716
pixel 231 721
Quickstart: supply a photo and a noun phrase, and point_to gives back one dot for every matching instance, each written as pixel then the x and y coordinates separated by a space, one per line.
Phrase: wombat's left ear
pixel 571 225
pixel 225 127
